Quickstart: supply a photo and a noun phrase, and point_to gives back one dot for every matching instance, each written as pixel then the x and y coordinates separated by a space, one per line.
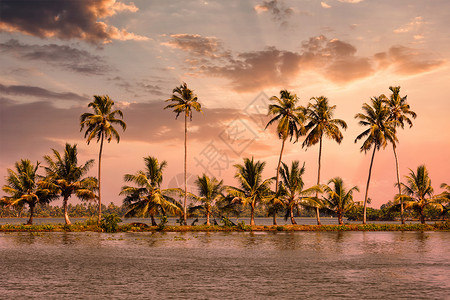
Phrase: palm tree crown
pixel 148 198
pixel 252 188
pixel 64 175
pixel 23 187
pixel 210 190
pixel 338 198
pixel 418 192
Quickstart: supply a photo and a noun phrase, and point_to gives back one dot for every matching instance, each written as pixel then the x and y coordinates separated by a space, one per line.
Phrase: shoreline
pixel 438 226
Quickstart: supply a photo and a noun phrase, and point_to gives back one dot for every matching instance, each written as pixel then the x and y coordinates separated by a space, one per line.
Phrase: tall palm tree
pixel 209 190
pixel 64 175
pixel 291 188
pixel 252 189
pixel 338 198
pixel 418 192
pixel 400 112
pixel 380 131
pixel 148 198
pixel 321 123
pixel 23 187
pixel 100 125
pixel 184 101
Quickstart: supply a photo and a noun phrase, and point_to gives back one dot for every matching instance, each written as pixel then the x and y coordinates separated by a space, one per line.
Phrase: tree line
pixel 381 119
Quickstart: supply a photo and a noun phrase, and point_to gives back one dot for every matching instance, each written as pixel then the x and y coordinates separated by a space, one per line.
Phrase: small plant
pixel 162 223
pixel 242 226
pixel 227 222
pixel 92 221
pixel 110 223
pixel 280 228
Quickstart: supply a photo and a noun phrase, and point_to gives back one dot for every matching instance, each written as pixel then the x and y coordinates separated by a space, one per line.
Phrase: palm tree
pixel 65 176
pixel 23 188
pixel 338 198
pixel 291 189
pixel 380 131
pixel 148 198
pixel 445 197
pixel 290 123
pixel 418 193
pixel 184 101
pixel 100 125
pixel 210 190
pixel 252 189
pixel 399 111
pixel 320 123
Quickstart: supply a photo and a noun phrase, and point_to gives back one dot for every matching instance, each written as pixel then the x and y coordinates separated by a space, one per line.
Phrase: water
pixel 233 265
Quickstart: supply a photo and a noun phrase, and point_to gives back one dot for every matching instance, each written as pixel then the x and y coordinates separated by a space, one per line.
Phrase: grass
pixel 81 227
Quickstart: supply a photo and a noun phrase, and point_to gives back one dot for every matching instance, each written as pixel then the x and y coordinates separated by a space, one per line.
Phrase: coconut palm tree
pixel 418 192
pixel 380 131
pixel 291 188
pixel 399 111
pixel 148 198
pixel 184 101
pixel 252 189
pixel 65 176
pixel 100 125
pixel 337 198
pixel 320 124
pixel 23 188
pixel 209 190
pixel 290 119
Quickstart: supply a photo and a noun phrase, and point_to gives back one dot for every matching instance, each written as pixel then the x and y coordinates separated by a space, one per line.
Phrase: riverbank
pixel 141 227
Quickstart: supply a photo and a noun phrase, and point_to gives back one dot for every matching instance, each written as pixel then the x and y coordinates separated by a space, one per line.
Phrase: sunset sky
pixel 55 55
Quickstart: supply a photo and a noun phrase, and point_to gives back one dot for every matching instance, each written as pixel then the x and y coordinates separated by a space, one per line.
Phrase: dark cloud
pixel 407 61
pixel 24 90
pixel 197 45
pixel 65 19
pixel 277 10
pixel 335 60
pixel 69 58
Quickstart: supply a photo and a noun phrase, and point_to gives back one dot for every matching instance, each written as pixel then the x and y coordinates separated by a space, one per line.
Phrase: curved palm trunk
pixel 99 181
pixel 185 175
pixel 367 186
pixel 30 220
pixel 318 180
pixel 291 214
pixel 398 184
pixel 277 177
pixel 66 212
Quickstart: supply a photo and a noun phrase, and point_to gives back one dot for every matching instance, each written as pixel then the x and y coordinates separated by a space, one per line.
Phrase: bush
pixel 110 223
pixel 162 223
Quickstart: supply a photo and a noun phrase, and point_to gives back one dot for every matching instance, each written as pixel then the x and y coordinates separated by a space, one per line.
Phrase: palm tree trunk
pixel 152 217
pixel 318 180
pixel 367 186
pixel 252 215
pixel 207 218
pixel 291 213
pixel 185 175
pixel 339 213
pixel 30 220
pixel 99 181
pixel 398 184
pixel 279 164
pixel 422 216
pixel 66 213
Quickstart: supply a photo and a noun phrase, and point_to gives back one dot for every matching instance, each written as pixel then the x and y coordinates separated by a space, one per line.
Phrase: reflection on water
pixel 236 265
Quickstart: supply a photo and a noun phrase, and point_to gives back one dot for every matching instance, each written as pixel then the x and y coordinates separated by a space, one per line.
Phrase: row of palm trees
pixel 381 118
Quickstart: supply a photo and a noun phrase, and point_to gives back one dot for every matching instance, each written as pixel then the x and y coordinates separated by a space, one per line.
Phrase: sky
pixel 56 54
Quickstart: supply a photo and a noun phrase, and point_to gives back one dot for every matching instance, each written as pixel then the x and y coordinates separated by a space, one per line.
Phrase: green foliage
pixel 242 226
pixel 162 223
pixel 109 223
pixel 227 222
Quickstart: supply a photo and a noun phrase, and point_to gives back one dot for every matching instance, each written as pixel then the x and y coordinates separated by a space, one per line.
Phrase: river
pixel 232 265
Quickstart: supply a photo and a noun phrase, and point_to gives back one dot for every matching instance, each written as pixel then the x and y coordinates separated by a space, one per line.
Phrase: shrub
pixel 162 223
pixel 110 223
